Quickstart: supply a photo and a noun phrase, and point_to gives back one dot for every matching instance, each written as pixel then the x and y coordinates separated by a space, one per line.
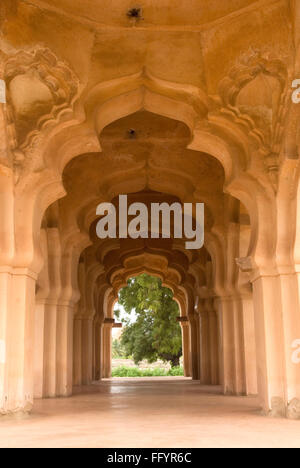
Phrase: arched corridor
pixel 160 111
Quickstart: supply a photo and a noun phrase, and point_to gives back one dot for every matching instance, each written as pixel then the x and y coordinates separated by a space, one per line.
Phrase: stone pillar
pixel 94 350
pixel 67 306
pixel 237 345
pixel 87 350
pixel 277 323
pixel 205 347
pixel 64 357
pixel 40 305
pixel 51 313
pixel 17 303
pixel 39 349
pixel 17 356
pixel 291 335
pixel 77 352
pixel 232 346
pixel 5 307
pixel 97 350
pixel 21 398
pixel 107 347
pixel 186 350
pixel 50 350
pixel 102 364
pixel 195 345
pixel 213 343
pixel 249 345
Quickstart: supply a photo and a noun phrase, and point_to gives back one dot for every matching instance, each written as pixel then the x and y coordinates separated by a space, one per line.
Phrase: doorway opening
pixel 149 344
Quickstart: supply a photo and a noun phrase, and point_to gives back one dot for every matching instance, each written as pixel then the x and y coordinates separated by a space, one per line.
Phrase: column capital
pixel 272 273
pixel 248 265
pixel 83 318
pixel 109 323
pixel 25 272
pixel 118 325
pixel 184 321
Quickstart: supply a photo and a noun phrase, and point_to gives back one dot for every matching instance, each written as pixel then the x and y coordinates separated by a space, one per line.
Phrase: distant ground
pixel 143 365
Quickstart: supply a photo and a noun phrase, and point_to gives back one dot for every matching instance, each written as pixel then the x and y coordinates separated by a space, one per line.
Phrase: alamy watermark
pixel 188 222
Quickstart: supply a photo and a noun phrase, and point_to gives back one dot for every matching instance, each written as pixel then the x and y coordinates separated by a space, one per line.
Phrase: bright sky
pixel 123 315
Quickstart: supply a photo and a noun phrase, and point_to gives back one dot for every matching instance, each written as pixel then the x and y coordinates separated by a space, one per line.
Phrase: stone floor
pixel 167 412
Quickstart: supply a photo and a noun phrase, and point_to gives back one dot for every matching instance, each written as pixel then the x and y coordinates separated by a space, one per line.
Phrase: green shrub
pixel 176 371
pixel 124 371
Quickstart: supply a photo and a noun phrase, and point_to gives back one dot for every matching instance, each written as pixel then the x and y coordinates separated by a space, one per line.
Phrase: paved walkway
pixel 148 413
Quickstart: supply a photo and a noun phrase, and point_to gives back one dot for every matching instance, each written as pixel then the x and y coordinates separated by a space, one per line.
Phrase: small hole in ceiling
pixel 132 133
pixel 135 13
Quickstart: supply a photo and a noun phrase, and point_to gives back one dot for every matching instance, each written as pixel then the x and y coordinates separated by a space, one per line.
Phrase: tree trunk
pixel 175 362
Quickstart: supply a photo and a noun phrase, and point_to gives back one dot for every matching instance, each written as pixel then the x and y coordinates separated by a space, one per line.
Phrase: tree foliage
pixel 118 351
pixel 155 334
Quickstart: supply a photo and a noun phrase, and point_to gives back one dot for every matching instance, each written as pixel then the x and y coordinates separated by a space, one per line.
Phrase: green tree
pixel 118 351
pixel 155 334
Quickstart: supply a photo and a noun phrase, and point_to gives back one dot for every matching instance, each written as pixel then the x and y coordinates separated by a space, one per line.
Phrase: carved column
pixel 42 294
pixel 64 360
pixel 97 348
pixel 232 346
pixel 277 322
pixel 277 325
pixel 186 348
pixel 77 351
pixel 246 302
pixel 107 347
pixel 51 312
pixel 195 345
pixel 205 345
pixel 213 342
pixel 87 350
pixel 17 301
pixel 67 306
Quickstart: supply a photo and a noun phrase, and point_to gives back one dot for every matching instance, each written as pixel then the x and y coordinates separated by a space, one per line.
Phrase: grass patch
pixel 124 371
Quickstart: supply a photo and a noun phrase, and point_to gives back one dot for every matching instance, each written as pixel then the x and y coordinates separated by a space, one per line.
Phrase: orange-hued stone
pixel 186 102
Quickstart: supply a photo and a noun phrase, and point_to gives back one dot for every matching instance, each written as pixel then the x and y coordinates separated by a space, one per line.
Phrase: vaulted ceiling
pixel 127 94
